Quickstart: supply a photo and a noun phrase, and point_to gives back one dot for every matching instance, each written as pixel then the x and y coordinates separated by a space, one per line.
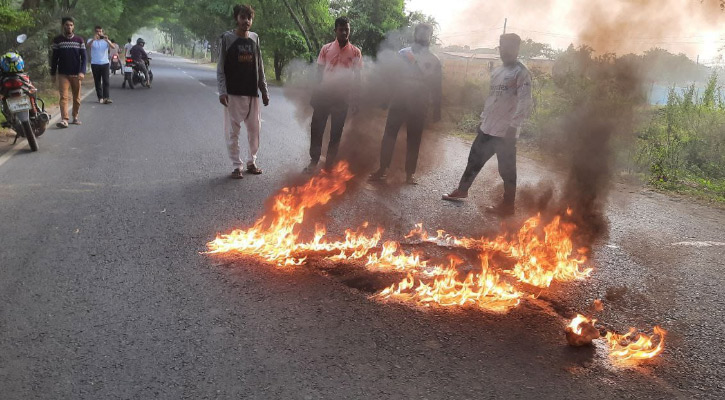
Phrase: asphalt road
pixel 104 293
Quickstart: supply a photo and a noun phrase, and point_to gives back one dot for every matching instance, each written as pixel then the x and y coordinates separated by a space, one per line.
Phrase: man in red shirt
pixel 338 66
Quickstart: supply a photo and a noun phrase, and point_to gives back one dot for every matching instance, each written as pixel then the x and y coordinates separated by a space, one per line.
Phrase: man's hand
pixel 224 99
pixel 265 99
pixel 511 132
pixel 81 76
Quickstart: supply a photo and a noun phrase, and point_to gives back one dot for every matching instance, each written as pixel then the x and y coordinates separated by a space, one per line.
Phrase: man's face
pixel 68 27
pixel 244 22
pixel 509 51
pixel 342 32
pixel 423 36
pixel 99 32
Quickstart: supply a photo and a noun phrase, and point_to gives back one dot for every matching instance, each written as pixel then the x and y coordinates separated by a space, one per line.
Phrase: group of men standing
pixel 418 87
pixel 68 66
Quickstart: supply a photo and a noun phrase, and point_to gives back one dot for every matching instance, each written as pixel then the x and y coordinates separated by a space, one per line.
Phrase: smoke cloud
pixel 611 91
pixel 622 26
pixel 363 133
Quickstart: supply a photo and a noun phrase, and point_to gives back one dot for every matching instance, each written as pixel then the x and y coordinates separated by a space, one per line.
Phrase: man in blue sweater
pixel 68 63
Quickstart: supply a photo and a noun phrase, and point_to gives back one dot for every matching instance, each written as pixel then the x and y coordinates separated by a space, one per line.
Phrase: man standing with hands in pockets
pixel 240 78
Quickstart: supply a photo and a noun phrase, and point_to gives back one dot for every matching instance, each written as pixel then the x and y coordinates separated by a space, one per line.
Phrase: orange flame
pixel 275 239
pixel 576 323
pixel 482 289
pixel 631 346
pixel 539 255
pixel 539 260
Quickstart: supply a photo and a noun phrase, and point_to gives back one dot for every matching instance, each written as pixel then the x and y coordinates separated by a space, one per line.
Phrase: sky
pixel 620 26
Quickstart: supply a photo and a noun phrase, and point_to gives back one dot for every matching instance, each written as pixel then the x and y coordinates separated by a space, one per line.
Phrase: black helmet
pixel 140 41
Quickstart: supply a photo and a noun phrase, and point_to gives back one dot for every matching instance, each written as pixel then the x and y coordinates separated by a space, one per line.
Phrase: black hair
pixel 129 40
pixel 341 21
pixel 66 19
pixel 511 37
pixel 243 9
pixel 97 27
pixel 423 26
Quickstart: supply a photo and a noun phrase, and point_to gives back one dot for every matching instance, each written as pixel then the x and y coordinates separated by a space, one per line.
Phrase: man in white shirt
pixel 417 86
pixel 127 49
pixel 508 105
pixel 99 47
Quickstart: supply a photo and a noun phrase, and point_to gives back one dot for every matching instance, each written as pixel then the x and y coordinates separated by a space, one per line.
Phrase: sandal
pixel 237 174
pixel 77 122
pixel 253 169
pixel 62 124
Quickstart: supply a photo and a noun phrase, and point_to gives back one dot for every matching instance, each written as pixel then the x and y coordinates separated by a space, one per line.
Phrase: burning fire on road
pixel 629 347
pixel 510 267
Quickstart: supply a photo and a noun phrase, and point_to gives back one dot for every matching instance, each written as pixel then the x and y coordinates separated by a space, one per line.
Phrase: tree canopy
pixel 288 28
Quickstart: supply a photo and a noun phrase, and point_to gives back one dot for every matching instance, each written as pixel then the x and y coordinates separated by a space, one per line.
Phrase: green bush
pixel 684 141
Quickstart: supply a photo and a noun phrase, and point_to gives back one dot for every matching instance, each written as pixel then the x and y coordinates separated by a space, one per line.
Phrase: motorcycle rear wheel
pixel 30 136
pixel 128 77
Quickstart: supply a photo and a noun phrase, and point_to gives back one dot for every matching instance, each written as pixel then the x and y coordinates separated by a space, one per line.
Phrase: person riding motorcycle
pixel 140 58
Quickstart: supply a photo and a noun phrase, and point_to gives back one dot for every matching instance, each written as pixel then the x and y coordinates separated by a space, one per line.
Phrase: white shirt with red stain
pixel 340 65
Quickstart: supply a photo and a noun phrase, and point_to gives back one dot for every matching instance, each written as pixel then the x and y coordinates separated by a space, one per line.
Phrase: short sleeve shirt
pixel 127 50
pixel 340 62
pixel 99 52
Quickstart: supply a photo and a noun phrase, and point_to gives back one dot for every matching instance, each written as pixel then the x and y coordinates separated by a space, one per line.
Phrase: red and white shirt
pixel 340 65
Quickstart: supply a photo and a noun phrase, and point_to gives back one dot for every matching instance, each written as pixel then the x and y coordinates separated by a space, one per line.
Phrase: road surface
pixel 104 292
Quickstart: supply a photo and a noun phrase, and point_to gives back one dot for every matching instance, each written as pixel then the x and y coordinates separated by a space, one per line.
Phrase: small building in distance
pixel 476 65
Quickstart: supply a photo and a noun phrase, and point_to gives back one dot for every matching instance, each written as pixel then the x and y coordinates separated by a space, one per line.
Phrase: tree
pixel 531 49
pixel 371 20
pixel 285 45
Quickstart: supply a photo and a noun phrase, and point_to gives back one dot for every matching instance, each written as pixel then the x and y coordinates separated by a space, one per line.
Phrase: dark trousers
pixel 101 77
pixel 483 148
pixel 337 111
pixel 415 122
pixel 142 66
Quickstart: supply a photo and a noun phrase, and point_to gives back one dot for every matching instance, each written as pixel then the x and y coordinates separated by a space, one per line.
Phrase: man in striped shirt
pixel 68 68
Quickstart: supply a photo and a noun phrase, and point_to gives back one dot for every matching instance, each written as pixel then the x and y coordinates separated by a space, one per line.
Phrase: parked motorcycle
pixel 133 75
pixel 115 64
pixel 23 110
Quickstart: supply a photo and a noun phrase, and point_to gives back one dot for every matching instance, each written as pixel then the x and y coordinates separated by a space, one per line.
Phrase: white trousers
pixel 242 109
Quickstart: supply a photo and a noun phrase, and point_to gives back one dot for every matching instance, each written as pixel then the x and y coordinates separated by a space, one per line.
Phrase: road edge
pixel 14 149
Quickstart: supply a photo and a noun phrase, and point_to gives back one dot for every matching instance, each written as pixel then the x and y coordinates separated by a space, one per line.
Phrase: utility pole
pixel 505 21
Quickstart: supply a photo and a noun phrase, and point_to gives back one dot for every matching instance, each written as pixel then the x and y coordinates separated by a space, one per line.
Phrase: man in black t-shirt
pixel 240 78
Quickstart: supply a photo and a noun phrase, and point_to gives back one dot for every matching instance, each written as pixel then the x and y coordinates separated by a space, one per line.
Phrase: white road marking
pixel 5 157
pixel 706 243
